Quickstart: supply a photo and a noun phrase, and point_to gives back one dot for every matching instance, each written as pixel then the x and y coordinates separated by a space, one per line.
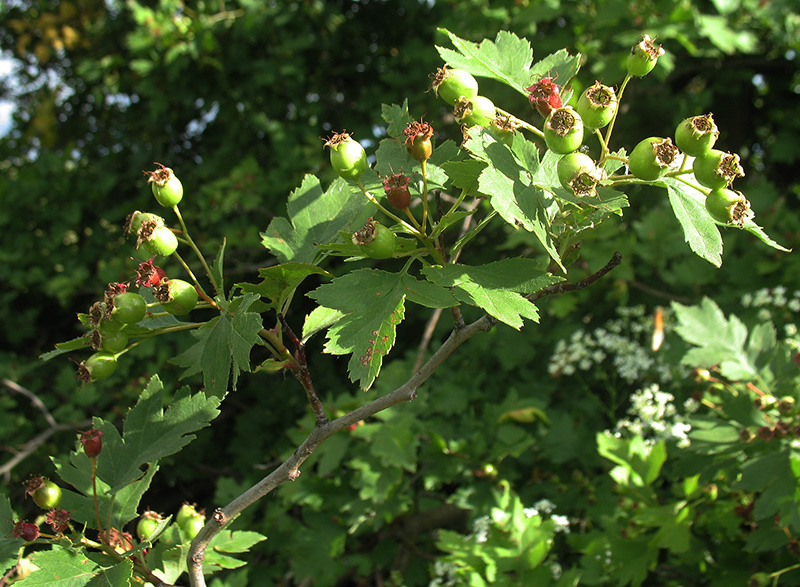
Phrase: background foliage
pixel 235 98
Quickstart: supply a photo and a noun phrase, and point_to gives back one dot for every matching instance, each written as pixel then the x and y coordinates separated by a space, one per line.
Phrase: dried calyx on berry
pixel 375 240
pixel 563 130
pixel 728 206
pixel 696 136
pixel 653 157
pixel 644 56
pixel 167 188
pixel 597 105
pixel 579 174
pixel 717 169
pixel 452 84
pixel 478 110
pixel 418 140
pixel 348 157
pixel 545 96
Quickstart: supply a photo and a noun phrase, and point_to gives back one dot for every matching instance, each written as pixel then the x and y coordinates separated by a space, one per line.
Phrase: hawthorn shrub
pixel 684 461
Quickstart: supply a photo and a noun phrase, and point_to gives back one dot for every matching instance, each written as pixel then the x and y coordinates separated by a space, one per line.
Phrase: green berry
pixel 193 525
pixel 97 367
pixel 45 493
pixel 727 206
pixel 147 525
pixel 176 296
pixel 348 157
pixel 185 512
pixel 696 135
pixel 113 342
pixel 477 110
pixel 129 307
pixel 452 84
pixel 578 174
pixel 418 140
pixel 652 157
pixel 563 130
pixel 597 106
pixel 375 240
pixel 167 188
pixel 136 219
pixel 159 240
pixel 643 57
pixel 717 169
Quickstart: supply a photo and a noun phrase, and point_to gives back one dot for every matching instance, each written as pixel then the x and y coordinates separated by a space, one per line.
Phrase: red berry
pixel 545 96
pixel 28 532
pixel 396 188
pixel 92 441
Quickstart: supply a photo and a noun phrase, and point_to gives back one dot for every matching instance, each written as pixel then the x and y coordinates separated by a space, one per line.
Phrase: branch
pixel 289 470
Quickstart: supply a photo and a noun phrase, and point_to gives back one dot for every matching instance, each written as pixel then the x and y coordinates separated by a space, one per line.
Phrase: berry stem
pixel 300 370
pixel 391 215
pixel 413 220
pixel 424 165
pixel 521 123
pixel 94 496
pixel 196 252
pixel 610 127
pixel 200 289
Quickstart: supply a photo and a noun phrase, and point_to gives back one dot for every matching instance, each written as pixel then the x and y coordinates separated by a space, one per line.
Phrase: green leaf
pixel 9 545
pixel 756 230
pixel 67 568
pixel 75 344
pixel 699 229
pixel 279 282
pixel 374 304
pixel 496 287
pixel 507 59
pixel 315 217
pixel 397 117
pixel 319 319
pixel 225 542
pixel 512 192
pixel 217 269
pixel 223 348
pixel 721 342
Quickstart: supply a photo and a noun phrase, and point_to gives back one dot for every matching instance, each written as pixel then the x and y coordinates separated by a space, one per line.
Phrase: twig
pixel 14 386
pixel 289 470
pixel 301 372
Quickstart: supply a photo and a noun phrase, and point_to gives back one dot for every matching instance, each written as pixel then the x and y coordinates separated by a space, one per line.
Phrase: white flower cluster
pixel 653 416
pixel 776 298
pixel 626 340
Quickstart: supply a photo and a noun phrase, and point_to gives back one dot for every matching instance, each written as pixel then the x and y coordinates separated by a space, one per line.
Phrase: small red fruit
pixel 396 188
pixel 25 530
pixel 545 96
pixel 92 441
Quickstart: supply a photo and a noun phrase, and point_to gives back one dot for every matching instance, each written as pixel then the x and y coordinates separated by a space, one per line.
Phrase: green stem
pixel 94 496
pixel 391 215
pixel 196 251
pixel 194 279
pixel 521 123
pixel 610 127
pixel 424 165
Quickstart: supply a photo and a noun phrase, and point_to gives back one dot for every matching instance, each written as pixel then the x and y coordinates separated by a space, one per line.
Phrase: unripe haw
pixel 45 493
pixel 597 106
pixel 578 174
pixel 92 442
pixel 396 188
pixel 185 512
pixel 652 157
pixel 134 221
pixel 97 367
pixel 157 239
pixel 505 128
pixel 193 525
pixel 167 188
pixel 643 57
pixel 545 96
pixel 452 84
pixel 418 141
pixel 717 169
pixel 375 240
pixel 147 524
pixel 176 296
pixel 476 110
pixel 348 157
pixel 563 130
pixel 129 308
pixel 696 135
pixel 113 342
pixel 727 206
